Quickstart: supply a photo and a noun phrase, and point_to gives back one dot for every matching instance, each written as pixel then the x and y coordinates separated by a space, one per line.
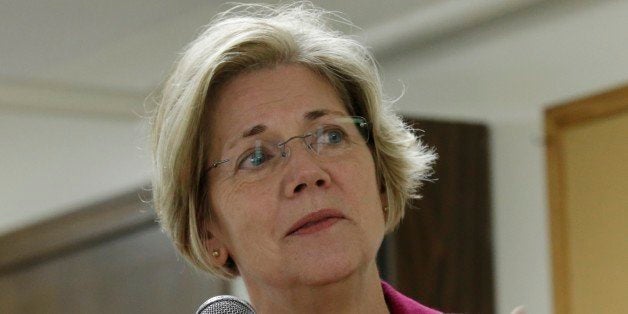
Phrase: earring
pixel 386 209
pixel 215 253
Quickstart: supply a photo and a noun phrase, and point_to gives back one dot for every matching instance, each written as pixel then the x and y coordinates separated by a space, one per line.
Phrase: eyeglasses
pixel 332 137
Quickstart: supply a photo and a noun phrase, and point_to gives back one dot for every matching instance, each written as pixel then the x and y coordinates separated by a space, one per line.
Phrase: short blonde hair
pixel 249 37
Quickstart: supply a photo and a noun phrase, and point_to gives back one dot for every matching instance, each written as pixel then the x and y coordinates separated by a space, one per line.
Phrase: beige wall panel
pixel 595 155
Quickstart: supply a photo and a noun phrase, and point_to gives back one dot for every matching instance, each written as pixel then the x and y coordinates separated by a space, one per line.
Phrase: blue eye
pixel 334 136
pixel 255 159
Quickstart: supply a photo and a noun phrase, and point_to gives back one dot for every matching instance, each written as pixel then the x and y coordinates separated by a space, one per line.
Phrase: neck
pixel 360 292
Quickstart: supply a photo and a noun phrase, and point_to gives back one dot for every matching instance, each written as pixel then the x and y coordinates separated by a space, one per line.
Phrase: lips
pixel 316 221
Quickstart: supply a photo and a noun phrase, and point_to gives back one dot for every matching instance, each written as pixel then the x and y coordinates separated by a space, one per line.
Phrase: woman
pixel 276 159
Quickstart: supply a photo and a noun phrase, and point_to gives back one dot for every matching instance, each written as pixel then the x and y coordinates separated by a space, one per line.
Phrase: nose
pixel 303 172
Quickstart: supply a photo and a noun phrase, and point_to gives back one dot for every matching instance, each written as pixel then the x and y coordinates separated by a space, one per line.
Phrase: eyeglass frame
pixel 361 124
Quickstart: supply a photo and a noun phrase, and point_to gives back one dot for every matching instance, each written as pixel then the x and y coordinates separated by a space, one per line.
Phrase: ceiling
pixel 122 45
pixel 126 47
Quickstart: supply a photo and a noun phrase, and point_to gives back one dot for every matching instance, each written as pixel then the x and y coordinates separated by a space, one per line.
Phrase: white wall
pixel 52 163
pixel 505 74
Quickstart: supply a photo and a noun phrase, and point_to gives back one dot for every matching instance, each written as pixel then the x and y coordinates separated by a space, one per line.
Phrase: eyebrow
pixel 260 128
pixel 313 115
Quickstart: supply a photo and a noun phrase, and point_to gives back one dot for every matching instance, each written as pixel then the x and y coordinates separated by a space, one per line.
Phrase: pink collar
pixel 400 304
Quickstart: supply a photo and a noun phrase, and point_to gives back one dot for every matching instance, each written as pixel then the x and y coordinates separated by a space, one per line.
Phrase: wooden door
pixel 441 253
pixel 587 156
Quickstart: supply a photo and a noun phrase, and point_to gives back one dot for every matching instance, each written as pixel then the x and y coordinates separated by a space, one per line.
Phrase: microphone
pixel 225 304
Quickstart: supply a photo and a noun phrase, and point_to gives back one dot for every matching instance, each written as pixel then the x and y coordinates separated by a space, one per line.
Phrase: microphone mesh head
pixel 225 304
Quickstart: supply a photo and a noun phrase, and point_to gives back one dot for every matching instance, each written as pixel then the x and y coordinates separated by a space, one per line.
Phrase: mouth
pixel 315 222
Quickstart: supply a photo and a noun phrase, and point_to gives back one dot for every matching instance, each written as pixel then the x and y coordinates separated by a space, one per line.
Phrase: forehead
pixel 277 90
pixel 274 97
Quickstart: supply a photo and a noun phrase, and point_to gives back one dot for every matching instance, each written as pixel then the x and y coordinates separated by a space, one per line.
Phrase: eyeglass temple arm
pixel 218 163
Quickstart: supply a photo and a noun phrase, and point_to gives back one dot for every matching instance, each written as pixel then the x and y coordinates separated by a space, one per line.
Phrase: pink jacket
pixel 400 304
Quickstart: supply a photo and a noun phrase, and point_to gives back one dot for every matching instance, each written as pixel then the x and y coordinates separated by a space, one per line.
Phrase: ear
pixel 218 252
pixel 383 197
pixel 384 202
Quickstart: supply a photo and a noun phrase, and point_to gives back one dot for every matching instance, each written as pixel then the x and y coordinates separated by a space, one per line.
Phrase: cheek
pixel 243 209
pixel 358 173
pixel 356 178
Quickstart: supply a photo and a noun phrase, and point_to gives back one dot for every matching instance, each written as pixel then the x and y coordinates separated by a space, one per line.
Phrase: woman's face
pixel 333 203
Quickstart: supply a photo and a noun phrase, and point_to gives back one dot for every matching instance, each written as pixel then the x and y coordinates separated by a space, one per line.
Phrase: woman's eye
pixel 334 136
pixel 255 159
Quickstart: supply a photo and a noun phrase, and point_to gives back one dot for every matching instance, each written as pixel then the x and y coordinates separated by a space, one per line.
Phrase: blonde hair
pixel 249 37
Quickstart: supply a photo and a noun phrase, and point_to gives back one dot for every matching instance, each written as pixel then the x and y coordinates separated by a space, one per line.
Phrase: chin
pixel 327 272
pixel 331 264
pixel 329 257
